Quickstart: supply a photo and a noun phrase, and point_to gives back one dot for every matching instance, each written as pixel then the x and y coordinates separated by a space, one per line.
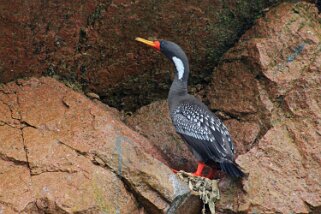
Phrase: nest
pixel 205 188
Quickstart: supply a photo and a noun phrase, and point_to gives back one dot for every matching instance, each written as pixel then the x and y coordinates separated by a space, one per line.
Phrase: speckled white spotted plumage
pixel 197 122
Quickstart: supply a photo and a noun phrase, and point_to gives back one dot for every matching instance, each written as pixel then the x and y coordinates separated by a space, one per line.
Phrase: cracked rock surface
pixel 63 153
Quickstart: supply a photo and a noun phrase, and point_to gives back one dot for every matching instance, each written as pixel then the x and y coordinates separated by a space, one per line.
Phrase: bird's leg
pixel 174 170
pixel 200 167
pixel 211 173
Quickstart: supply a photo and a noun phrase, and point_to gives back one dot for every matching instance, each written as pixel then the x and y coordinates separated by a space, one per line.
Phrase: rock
pixel 269 84
pixel 153 122
pixel 283 170
pixel 61 152
pixel 93 96
pixel 244 134
pixel 93 41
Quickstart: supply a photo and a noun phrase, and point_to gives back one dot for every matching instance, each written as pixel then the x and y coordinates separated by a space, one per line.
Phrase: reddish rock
pixel 63 153
pixel 270 81
pixel 223 94
pixel 284 170
pixel 93 41
pixel 15 186
pixel 153 122
pixel 244 134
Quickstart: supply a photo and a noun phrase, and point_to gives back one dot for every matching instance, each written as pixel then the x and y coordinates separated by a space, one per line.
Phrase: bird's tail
pixel 231 168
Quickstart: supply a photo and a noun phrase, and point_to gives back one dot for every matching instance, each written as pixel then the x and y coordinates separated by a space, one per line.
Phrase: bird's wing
pixel 203 131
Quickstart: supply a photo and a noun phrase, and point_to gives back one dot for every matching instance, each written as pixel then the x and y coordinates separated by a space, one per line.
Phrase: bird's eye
pixel 161 42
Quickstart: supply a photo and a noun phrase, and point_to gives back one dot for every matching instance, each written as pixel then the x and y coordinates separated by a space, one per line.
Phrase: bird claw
pixel 199 172
pixel 174 170
pixel 211 174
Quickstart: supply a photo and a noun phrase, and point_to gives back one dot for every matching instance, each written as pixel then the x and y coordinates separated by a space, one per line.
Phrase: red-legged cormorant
pixel 204 133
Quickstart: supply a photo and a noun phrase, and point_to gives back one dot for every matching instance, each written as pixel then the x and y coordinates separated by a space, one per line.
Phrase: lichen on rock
pixel 205 188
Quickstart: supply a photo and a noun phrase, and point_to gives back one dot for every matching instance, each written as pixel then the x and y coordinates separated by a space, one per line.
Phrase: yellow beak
pixel 145 41
pixel 154 44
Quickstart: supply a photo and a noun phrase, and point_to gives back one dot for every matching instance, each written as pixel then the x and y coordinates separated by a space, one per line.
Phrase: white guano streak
pixel 179 67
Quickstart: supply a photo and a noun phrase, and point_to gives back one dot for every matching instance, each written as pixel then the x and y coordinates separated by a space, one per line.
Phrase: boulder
pixel 92 41
pixel 269 85
pixel 153 122
pixel 63 153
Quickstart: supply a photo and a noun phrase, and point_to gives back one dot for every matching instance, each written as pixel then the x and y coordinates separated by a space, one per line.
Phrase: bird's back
pixel 206 135
pixel 202 130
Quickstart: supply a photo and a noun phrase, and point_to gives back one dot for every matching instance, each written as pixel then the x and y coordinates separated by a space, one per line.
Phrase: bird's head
pixel 173 52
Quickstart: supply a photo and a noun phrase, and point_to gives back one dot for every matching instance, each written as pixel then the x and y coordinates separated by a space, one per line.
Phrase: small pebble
pixel 93 95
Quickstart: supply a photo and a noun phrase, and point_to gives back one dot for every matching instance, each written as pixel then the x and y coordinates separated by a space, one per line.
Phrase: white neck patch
pixel 179 67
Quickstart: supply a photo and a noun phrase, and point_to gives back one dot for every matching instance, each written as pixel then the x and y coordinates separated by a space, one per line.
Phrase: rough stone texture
pixel 63 153
pixel 270 84
pixel 93 41
pixel 244 134
pixel 154 123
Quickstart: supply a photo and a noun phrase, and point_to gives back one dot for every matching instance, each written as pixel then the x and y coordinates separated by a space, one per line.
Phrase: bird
pixel 204 133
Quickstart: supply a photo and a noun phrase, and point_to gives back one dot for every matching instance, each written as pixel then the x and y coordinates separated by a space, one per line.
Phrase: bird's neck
pixel 178 88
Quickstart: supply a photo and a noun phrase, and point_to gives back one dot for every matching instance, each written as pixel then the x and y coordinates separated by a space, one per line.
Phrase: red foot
pixel 200 167
pixel 211 174
pixel 174 170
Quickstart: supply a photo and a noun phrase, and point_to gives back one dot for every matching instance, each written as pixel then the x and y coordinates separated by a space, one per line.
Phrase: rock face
pixel 62 153
pixel 153 122
pixel 270 85
pixel 93 41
